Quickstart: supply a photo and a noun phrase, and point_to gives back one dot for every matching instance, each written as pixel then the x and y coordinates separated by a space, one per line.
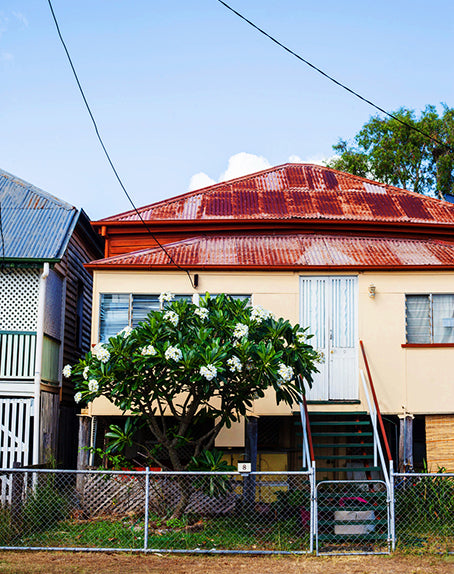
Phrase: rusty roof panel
pixel 293 250
pixel 299 191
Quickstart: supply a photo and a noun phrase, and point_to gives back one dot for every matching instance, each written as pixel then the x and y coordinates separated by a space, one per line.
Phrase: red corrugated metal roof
pixel 292 250
pixel 298 191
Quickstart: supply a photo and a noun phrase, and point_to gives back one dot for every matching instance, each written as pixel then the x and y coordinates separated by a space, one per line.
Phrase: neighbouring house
pixel 46 296
pixel 353 259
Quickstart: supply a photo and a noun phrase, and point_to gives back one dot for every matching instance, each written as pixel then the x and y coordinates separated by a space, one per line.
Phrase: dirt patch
pixel 101 563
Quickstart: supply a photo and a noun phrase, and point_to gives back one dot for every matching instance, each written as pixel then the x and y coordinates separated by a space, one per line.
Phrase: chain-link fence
pixel 424 512
pixel 155 511
pixel 217 512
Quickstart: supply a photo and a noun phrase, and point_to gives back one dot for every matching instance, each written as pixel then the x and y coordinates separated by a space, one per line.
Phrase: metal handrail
pixel 377 408
pixel 308 434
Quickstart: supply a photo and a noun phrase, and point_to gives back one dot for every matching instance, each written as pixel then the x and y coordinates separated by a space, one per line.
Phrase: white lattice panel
pixel 18 299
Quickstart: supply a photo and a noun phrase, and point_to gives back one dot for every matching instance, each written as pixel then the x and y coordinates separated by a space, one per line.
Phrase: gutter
pixel 39 362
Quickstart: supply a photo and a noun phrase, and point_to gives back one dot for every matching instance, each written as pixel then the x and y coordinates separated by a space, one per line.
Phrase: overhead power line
pixel 340 84
pixel 98 135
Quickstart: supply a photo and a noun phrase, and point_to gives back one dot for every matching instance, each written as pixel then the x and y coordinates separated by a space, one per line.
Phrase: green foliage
pixel 196 364
pixel 114 461
pixel 390 152
pixel 9 532
pixel 211 461
pixel 44 507
pixel 426 502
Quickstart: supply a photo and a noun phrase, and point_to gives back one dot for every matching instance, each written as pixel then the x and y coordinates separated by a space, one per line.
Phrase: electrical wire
pixel 380 109
pixel 107 153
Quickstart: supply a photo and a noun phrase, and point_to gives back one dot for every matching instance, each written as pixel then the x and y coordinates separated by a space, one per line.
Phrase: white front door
pixel 328 306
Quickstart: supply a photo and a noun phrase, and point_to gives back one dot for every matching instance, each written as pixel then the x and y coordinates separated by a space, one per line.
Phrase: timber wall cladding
pixel 19 299
pixel 440 442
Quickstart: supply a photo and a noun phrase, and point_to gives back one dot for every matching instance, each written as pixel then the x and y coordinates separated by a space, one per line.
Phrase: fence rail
pixel 261 512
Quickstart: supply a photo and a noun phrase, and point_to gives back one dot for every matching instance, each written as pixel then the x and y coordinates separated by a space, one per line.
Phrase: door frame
pixel 326 368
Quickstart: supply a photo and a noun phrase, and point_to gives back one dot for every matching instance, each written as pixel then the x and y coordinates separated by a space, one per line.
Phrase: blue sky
pixel 182 87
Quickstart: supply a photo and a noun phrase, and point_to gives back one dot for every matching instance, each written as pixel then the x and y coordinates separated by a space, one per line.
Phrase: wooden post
pixel 406 443
pixel 251 454
pixel 82 453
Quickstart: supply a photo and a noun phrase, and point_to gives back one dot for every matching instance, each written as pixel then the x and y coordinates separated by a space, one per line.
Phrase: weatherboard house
pixel 45 302
pixel 367 266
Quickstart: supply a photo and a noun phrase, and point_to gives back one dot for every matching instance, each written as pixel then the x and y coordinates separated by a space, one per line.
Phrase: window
pixel 119 310
pixel 429 319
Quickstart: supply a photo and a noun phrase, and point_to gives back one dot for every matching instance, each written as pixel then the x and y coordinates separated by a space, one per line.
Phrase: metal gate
pixel 352 517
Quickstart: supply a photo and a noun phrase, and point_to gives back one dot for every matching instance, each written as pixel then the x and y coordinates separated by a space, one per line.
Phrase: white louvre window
pixel 114 314
pixel 141 306
pixel 430 319
pixel 120 310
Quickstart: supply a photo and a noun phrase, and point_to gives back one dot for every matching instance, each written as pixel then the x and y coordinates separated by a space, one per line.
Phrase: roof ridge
pixel 208 188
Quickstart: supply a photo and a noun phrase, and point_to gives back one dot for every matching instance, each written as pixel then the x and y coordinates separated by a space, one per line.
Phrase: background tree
pixel 188 371
pixel 390 152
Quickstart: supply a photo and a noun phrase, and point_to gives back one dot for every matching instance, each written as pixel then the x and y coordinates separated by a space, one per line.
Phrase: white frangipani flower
pixel 101 353
pixel 148 350
pixel 93 386
pixel 235 365
pixel 166 296
pixel 173 353
pixel 258 313
pixel 78 397
pixel 85 372
pixel 66 371
pixel 202 312
pixel 172 317
pixel 209 372
pixel 285 372
pixel 301 337
pixel 126 332
pixel 241 330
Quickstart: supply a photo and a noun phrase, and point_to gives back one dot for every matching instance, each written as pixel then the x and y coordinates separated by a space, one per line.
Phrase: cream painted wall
pixel 406 379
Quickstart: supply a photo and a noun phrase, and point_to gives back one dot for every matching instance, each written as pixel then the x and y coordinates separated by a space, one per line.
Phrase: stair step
pixel 344 457
pixel 355 537
pixel 367 495
pixel 344 445
pixel 342 434
pixel 340 423
pixel 352 508
pixel 337 414
pixel 353 522
pixel 349 469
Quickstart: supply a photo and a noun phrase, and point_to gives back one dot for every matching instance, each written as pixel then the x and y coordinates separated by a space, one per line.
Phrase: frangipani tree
pixel 189 364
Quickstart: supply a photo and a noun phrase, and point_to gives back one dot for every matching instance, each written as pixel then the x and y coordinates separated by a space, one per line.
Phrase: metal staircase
pixel 351 462
pixel 343 445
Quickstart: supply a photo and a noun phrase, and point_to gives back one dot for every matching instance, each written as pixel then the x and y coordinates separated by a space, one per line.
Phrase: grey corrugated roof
pixel 35 224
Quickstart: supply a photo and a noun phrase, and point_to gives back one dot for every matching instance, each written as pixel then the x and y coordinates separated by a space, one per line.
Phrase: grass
pixel 232 533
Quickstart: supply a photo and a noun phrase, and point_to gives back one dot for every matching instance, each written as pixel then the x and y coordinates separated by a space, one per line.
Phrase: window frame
pixel 194 298
pixel 432 342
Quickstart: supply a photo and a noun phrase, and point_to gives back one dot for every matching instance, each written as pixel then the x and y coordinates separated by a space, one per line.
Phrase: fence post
pixel 392 514
pixel 313 524
pixel 147 507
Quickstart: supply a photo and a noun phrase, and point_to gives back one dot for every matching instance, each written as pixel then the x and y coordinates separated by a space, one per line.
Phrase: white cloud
pixel 200 180
pixel 6 57
pixel 244 163
pixel 22 19
pixel 318 159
